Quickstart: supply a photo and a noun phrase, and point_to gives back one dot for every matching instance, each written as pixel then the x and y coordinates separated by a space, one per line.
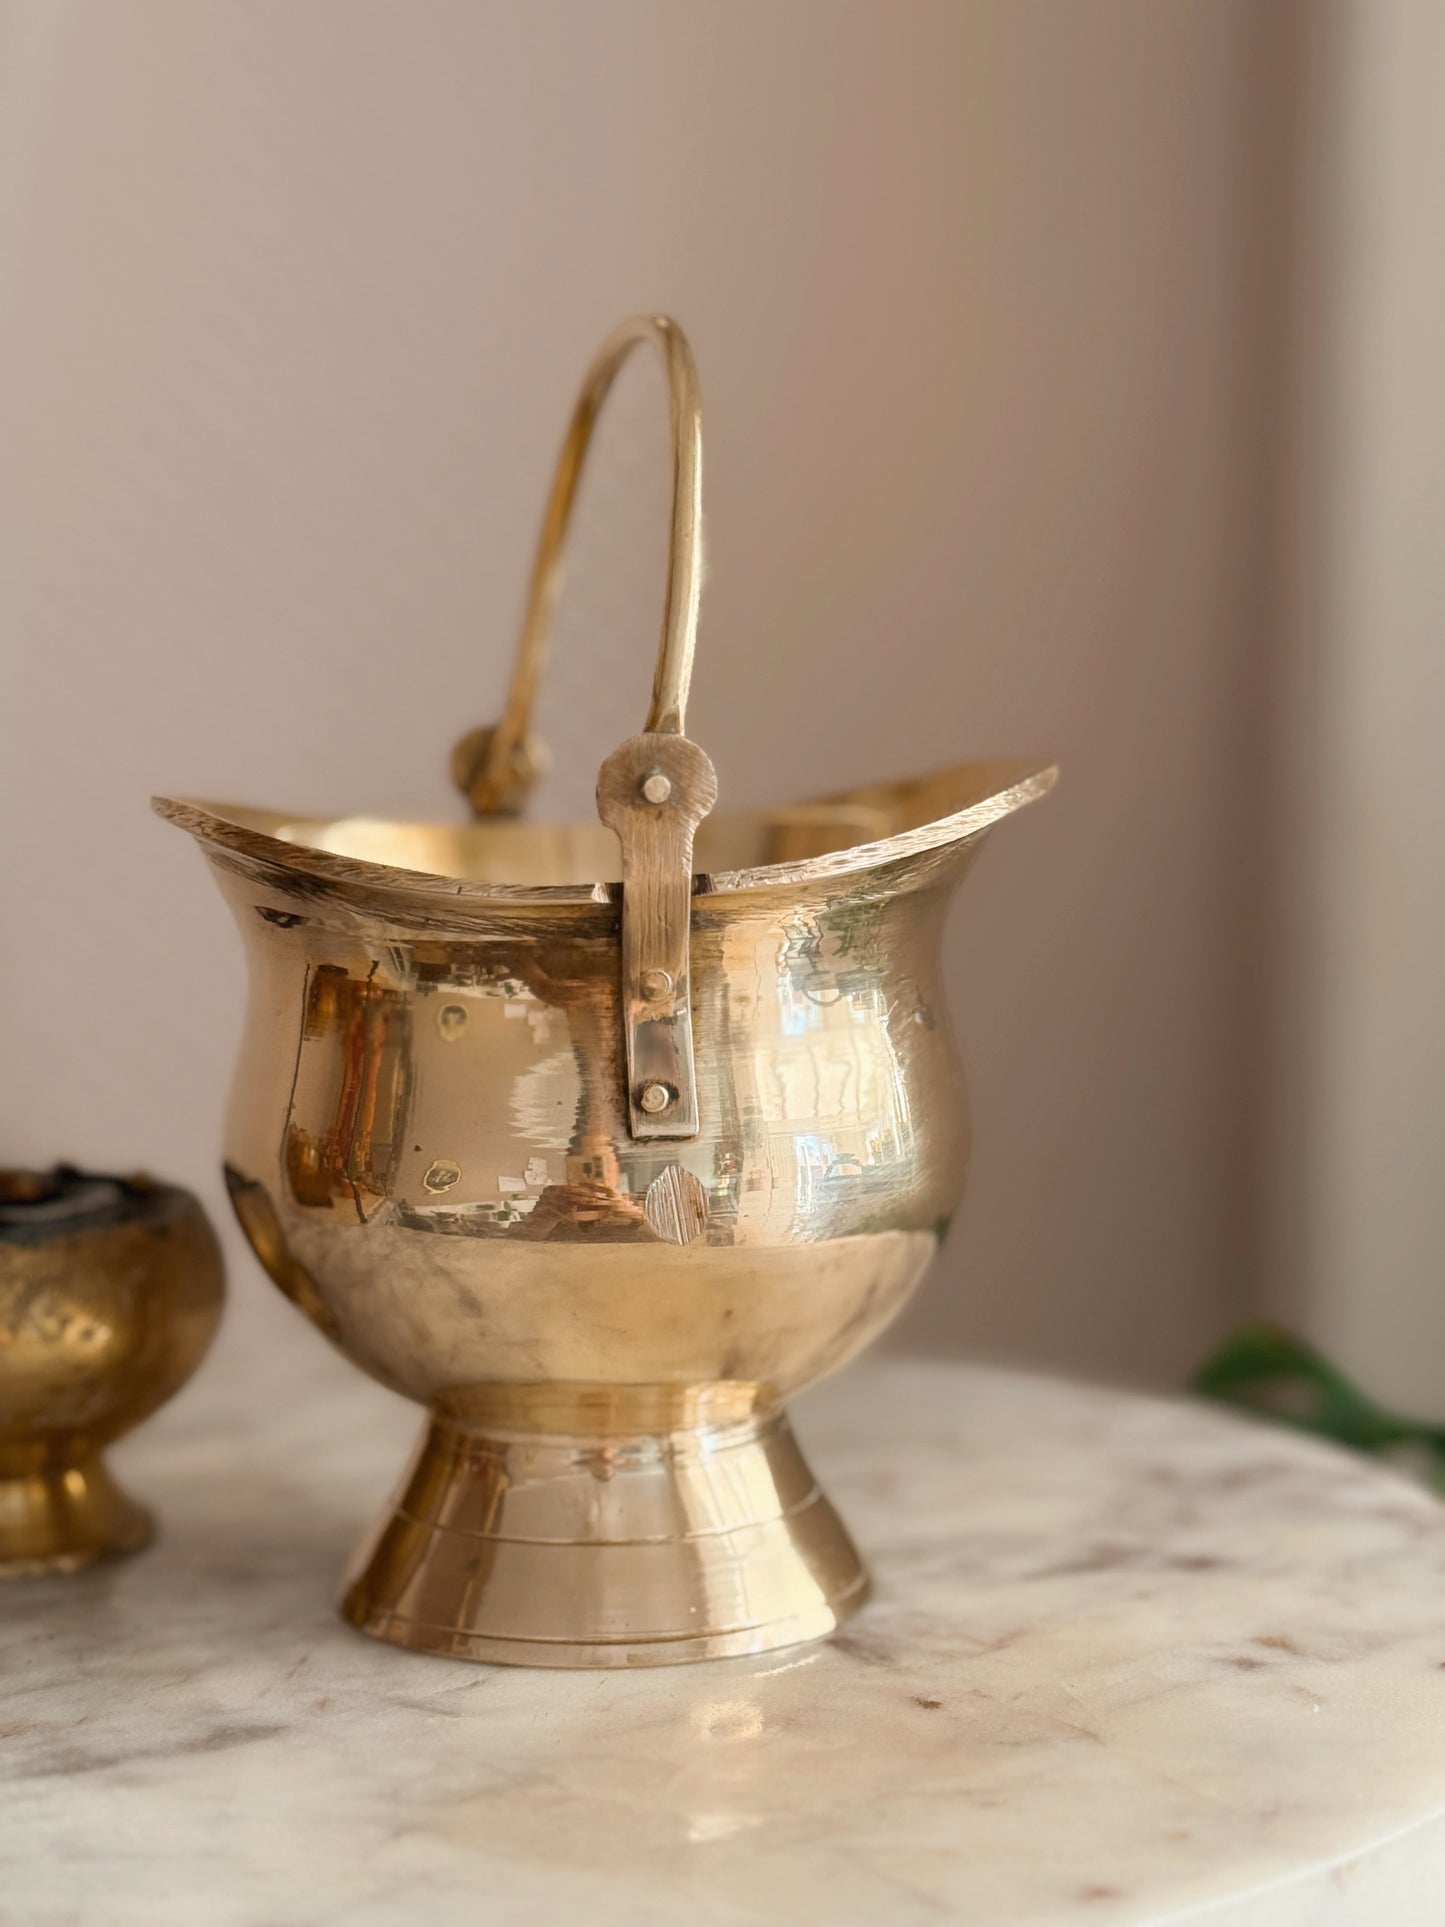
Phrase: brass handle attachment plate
pixel 654 791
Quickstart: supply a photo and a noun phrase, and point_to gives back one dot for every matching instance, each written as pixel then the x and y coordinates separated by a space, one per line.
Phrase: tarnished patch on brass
pixel 676 1206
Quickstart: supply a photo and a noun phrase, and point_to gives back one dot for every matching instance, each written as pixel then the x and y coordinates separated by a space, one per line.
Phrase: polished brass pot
pixel 110 1293
pixel 599 1146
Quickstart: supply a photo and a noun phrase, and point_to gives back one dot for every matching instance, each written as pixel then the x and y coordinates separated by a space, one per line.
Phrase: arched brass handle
pixel 495 768
pixel 657 787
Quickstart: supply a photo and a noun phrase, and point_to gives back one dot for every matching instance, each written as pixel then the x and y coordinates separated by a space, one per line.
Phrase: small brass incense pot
pixel 601 1141
pixel 110 1294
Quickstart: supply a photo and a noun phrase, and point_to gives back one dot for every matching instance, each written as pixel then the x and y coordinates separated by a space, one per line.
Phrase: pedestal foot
pixel 635 1551
pixel 67 1517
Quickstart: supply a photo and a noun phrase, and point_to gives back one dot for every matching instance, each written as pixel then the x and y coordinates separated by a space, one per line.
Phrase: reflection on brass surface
pixel 441 1150
pixel 110 1293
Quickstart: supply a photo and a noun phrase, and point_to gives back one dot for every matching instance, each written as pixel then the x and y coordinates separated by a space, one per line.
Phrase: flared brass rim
pixel 1010 786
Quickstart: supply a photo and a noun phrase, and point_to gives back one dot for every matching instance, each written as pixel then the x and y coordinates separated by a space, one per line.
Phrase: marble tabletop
pixel 1127 1661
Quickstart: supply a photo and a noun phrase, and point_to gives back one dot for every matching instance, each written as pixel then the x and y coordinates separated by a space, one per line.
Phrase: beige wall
pixel 1357 1204
pixel 295 299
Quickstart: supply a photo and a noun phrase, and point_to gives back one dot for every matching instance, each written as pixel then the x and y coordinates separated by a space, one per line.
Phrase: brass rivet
pixel 655 1098
pixel 656 984
pixel 655 787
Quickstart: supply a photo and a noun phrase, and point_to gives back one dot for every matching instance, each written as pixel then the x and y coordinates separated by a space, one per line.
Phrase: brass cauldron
pixel 600 1160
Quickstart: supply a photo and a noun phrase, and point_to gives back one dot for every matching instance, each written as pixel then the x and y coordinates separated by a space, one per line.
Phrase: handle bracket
pixel 653 791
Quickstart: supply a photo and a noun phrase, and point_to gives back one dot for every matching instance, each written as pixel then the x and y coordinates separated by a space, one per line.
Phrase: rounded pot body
pixel 428 1140
pixel 102 1318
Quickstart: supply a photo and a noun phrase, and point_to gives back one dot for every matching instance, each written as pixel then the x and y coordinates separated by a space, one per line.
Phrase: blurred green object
pixel 1266 1370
